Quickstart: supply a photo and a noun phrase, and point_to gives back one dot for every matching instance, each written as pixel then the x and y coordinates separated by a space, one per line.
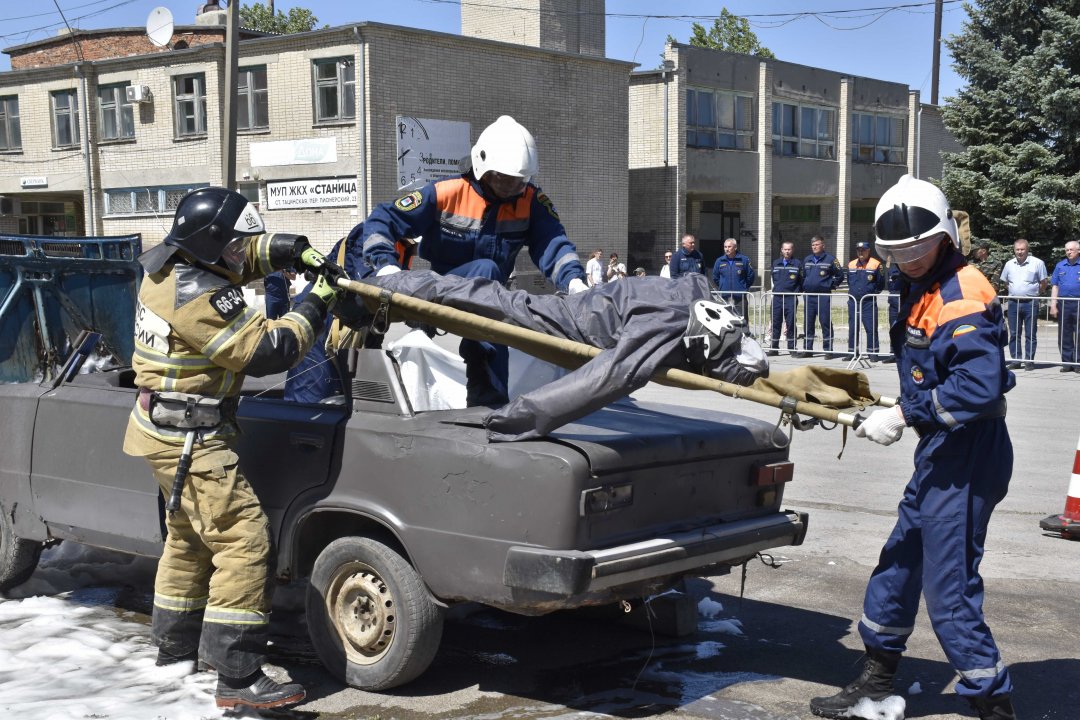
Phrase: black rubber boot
pixel 164 658
pixel 998 707
pixel 875 683
pixel 256 691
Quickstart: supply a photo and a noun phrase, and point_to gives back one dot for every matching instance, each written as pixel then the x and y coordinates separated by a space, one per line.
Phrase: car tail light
pixel 608 497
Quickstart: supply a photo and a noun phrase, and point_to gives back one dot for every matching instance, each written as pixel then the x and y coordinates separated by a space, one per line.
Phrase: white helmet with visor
pixel 507 148
pixel 910 220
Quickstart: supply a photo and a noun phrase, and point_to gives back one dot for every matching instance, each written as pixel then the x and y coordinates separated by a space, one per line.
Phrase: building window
pixel 804 131
pixel 878 139
pixel 716 119
pixel 65 109
pixel 116 120
pixel 250 190
pixel 252 103
pixel 146 200
pixel 335 89
pixel 800 213
pixel 10 132
pixel 189 105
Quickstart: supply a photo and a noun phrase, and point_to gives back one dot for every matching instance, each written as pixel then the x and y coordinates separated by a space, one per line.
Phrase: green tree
pixel 729 32
pixel 1018 117
pixel 259 17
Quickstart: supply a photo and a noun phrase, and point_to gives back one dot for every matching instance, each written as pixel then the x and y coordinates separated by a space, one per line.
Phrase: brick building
pixel 323 120
pixel 728 145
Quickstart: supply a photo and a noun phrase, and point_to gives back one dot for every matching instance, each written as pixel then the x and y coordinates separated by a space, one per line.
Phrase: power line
pixel 50 26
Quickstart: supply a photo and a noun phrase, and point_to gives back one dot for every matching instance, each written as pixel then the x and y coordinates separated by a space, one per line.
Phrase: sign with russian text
pixel 308 151
pixel 300 194
pixel 429 150
pixel 34 181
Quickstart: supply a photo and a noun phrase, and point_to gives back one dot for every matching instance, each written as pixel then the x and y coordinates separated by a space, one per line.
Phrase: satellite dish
pixel 159 26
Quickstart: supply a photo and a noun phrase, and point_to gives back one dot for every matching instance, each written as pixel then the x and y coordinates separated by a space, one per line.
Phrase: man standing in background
pixel 1026 279
pixel 787 282
pixel 822 274
pixel 733 275
pixel 687 259
pixel 1066 288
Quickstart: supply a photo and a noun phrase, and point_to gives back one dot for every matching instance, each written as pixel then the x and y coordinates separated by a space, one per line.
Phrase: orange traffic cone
pixel 1068 523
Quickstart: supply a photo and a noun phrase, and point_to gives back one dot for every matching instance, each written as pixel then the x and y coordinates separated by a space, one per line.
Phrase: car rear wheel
pixel 371 620
pixel 18 557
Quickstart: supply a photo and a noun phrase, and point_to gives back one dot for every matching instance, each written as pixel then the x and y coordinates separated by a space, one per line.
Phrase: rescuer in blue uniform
pixel 821 275
pixel 733 275
pixel 894 281
pixel 687 258
pixel 787 282
pixel 866 278
pixel 1065 291
pixel 950 339
pixel 474 226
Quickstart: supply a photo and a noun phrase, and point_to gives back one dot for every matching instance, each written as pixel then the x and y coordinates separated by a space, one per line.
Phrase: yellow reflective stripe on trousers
pixel 180 604
pixel 230 616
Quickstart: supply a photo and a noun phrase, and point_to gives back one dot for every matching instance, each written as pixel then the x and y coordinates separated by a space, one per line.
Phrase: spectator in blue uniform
pixel 865 278
pixel 1065 291
pixel 821 275
pixel 277 295
pixel 949 340
pixel 687 259
pixel 787 283
pixel 474 225
pixel 733 275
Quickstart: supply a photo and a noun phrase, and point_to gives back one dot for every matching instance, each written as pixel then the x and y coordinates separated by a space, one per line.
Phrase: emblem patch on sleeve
pixel 544 200
pixel 229 302
pixel 409 202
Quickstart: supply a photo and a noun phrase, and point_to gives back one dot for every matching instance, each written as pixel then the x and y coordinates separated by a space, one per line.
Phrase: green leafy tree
pixel 259 17
pixel 729 32
pixel 1019 117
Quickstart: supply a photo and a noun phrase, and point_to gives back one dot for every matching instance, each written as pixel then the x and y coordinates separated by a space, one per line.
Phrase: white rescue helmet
pixel 713 331
pixel 505 147
pixel 911 218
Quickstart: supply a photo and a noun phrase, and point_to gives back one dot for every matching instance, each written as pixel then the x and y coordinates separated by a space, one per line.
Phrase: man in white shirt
pixel 1026 277
pixel 594 271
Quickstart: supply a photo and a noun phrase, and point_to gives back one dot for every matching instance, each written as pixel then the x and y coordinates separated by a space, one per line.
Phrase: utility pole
pixel 228 116
pixel 937 52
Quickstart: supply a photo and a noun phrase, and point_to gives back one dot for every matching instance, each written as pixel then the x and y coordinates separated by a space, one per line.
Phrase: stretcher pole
pixel 569 353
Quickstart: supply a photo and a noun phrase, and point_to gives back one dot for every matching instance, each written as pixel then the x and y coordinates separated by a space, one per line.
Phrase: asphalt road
pixel 798 638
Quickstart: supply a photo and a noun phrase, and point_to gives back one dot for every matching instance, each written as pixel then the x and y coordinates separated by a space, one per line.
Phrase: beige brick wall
pixel 576 26
pixel 935 139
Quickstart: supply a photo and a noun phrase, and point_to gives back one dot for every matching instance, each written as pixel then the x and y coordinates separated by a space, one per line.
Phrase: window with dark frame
pixel 804 131
pixel 334 80
pixel 65 112
pixel 719 119
pixel 10 130
pixel 116 116
pixel 252 107
pixel 146 200
pixel 189 105
pixel 878 139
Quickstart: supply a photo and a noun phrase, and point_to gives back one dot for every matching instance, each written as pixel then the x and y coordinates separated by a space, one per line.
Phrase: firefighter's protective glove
pixel 883 426
pixel 387 270
pixel 325 291
pixel 577 285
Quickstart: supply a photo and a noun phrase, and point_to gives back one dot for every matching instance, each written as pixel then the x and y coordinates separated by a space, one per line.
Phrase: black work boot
pixel 875 683
pixel 998 707
pixel 256 691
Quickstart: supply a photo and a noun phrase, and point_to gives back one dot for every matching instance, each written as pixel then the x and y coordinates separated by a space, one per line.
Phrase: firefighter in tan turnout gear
pixel 195 340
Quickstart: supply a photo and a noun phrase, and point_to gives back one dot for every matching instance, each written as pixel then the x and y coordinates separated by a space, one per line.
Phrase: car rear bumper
pixel 573 572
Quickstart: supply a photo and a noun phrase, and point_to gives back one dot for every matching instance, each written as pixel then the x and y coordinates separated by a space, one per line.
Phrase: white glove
pixel 883 426
pixel 577 285
pixel 387 270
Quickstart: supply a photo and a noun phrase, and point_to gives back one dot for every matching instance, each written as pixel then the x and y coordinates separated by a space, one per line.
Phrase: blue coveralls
pixel 315 379
pixel 277 295
pixel 822 274
pixel 787 277
pixel 468 234
pixel 864 283
pixel 683 263
pixel 733 276
pixel 1066 277
pixel 950 341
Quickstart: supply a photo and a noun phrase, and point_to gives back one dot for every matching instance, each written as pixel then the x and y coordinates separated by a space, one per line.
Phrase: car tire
pixel 18 557
pixel 370 617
